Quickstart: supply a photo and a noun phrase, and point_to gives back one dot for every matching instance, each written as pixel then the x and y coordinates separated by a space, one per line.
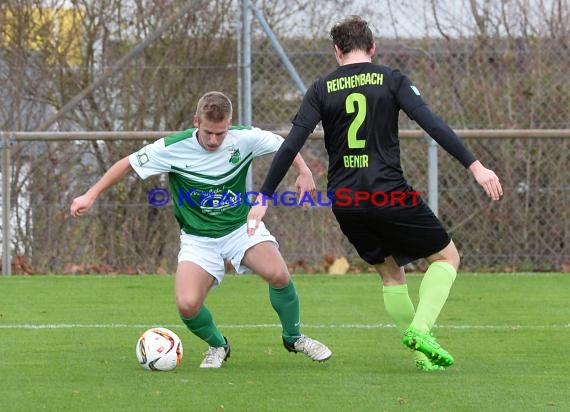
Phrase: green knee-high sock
pixel 285 301
pixel 434 291
pixel 399 305
pixel 401 309
pixel 203 326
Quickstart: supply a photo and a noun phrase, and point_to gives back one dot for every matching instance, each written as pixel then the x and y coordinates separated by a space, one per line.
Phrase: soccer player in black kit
pixel 388 223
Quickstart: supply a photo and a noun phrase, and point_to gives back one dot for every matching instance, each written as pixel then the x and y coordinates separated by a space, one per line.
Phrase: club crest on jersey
pixel 234 155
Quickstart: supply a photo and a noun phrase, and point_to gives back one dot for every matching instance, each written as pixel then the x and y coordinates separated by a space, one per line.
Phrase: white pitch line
pixel 261 326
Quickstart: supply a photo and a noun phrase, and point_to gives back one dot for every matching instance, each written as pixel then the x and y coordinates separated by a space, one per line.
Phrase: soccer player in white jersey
pixel 207 168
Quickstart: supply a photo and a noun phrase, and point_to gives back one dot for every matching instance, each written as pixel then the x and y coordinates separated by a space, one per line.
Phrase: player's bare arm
pixel 256 214
pixel 116 173
pixel 305 182
pixel 488 179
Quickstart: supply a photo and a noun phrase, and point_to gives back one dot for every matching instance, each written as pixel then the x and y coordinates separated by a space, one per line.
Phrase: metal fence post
pixel 245 92
pixel 5 143
pixel 280 52
pixel 432 175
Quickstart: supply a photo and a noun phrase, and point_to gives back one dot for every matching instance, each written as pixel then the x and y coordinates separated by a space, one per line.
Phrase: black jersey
pixel 359 106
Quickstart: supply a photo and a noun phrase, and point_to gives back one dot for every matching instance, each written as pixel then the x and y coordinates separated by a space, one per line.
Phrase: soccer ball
pixel 159 349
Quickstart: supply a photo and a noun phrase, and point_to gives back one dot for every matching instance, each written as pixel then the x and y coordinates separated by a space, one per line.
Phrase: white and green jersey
pixel 208 189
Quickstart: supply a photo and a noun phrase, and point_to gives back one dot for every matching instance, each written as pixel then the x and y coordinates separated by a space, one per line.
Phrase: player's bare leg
pixel 192 284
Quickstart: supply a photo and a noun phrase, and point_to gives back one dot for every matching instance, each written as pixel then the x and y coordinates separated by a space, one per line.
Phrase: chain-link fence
pixel 499 67
pixel 528 229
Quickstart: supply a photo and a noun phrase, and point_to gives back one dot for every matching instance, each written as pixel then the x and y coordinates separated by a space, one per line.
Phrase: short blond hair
pixel 214 106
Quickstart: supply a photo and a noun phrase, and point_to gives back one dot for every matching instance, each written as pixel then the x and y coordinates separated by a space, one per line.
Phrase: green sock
pixel 401 309
pixel 434 291
pixel 203 326
pixel 285 301
pixel 399 305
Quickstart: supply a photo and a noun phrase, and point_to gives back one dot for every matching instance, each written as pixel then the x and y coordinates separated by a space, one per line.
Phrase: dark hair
pixel 214 106
pixel 352 33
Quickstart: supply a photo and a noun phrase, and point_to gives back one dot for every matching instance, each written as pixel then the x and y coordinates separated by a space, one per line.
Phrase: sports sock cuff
pixel 396 289
pixel 445 267
pixel 202 317
pixel 284 289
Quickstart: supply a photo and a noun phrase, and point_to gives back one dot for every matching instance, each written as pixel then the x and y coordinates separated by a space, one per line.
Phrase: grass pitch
pixel 68 344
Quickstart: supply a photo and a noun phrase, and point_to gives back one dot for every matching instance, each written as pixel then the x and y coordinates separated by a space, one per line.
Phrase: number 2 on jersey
pixel 356 102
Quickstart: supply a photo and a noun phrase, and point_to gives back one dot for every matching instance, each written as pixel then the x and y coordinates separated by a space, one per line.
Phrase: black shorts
pixel 406 232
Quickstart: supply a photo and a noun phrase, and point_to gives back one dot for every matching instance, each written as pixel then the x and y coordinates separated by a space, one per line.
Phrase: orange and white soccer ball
pixel 159 349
